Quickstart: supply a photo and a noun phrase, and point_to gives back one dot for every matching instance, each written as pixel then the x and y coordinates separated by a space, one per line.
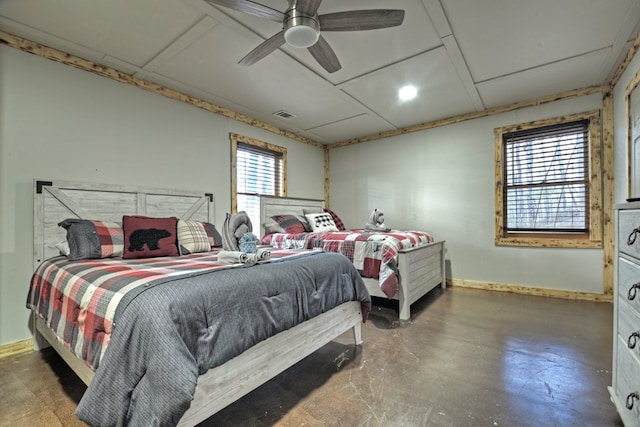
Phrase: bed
pixel 174 380
pixel 417 269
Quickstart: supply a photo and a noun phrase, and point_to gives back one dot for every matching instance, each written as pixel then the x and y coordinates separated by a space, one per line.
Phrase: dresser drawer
pixel 628 221
pixel 629 282
pixel 628 325
pixel 628 379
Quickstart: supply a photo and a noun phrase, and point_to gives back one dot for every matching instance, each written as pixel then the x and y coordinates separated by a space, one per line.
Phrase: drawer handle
pixel 633 339
pixel 631 295
pixel 632 237
pixel 630 399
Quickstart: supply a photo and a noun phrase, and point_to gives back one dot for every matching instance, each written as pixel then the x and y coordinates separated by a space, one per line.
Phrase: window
pixel 548 183
pixel 257 168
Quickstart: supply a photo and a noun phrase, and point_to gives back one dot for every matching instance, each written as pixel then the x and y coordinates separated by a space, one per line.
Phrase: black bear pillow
pixel 146 237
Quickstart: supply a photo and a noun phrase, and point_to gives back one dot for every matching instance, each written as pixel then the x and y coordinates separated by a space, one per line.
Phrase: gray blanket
pixel 168 333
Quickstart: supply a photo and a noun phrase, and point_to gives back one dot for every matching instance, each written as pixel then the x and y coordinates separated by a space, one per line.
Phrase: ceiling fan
pixel 301 26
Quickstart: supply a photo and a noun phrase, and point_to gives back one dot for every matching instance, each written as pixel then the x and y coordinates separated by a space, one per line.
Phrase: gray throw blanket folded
pixel 239 257
pixel 376 222
pixel 235 226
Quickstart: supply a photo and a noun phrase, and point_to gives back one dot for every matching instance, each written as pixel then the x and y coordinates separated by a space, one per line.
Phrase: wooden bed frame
pixel 218 387
pixel 420 269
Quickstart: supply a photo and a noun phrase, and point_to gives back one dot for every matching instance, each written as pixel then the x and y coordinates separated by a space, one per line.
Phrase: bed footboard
pixel 227 383
pixel 420 269
pixel 223 385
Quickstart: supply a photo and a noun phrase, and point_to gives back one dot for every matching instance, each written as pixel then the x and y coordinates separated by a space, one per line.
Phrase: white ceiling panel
pixel 500 37
pixel 133 31
pixel 31 33
pixel 440 92
pixel 542 81
pixel 350 128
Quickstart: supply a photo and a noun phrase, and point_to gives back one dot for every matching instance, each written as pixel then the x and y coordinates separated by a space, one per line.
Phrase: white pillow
pixel 321 222
pixel 63 248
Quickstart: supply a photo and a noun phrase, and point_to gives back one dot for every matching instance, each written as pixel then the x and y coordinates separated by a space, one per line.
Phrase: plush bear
pixel 148 236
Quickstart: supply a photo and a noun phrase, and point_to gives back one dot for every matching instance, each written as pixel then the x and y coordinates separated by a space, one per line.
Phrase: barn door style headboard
pixel 55 201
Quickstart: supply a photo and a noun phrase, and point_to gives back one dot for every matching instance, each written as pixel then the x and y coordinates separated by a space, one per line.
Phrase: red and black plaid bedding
pixel 375 255
pixel 78 299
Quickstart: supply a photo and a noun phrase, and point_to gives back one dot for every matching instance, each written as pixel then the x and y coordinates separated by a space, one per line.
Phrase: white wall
pixel 442 180
pixel 61 123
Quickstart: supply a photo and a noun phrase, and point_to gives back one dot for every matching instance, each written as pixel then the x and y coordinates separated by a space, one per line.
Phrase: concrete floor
pixel 466 358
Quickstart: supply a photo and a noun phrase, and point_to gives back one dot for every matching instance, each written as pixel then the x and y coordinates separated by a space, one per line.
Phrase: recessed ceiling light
pixel 407 93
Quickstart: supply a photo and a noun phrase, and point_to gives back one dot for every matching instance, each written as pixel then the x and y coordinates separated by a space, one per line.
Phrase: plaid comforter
pixel 375 255
pixel 78 299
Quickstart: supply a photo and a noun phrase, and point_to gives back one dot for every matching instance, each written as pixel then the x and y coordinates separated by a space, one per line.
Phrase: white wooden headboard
pixel 272 205
pixel 56 201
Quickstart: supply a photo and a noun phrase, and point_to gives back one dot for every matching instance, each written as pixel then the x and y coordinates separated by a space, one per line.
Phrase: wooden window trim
pixel 590 239
pixel 235 139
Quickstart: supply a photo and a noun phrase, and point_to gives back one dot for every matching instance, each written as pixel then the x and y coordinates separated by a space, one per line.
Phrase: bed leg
pixel 357 333
pixel 39 341
pixel 403 300
pixel 443 266
pixel 405 314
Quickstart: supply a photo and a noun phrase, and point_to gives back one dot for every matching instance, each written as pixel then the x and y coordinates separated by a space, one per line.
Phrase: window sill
pixel 550 242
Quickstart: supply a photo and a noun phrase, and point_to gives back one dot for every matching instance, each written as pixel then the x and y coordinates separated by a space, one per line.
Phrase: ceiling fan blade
pixel 309 7
pixel 252 8
pixel 325 56
pixel 357 20
pixel 263 49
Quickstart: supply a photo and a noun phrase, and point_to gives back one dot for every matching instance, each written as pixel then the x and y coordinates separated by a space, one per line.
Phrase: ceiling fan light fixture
pixel 301 31
pixel 301 36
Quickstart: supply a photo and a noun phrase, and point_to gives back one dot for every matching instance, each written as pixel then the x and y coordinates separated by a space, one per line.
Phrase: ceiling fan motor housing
pixel 300 30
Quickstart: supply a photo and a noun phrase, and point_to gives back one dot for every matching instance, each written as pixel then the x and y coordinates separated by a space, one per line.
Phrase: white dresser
pixel 625 391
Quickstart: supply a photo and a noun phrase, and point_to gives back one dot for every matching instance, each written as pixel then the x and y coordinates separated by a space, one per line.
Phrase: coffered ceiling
pixel 463 56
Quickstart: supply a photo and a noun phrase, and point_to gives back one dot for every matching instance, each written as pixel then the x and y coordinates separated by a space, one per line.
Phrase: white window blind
pixel 259 171
pixel 546 176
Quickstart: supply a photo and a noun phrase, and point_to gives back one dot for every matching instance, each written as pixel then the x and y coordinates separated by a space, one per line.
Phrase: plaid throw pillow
pixel 289 223
pixel 336 219
pixel 111 238
pixel 192 237
pixel 93 239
